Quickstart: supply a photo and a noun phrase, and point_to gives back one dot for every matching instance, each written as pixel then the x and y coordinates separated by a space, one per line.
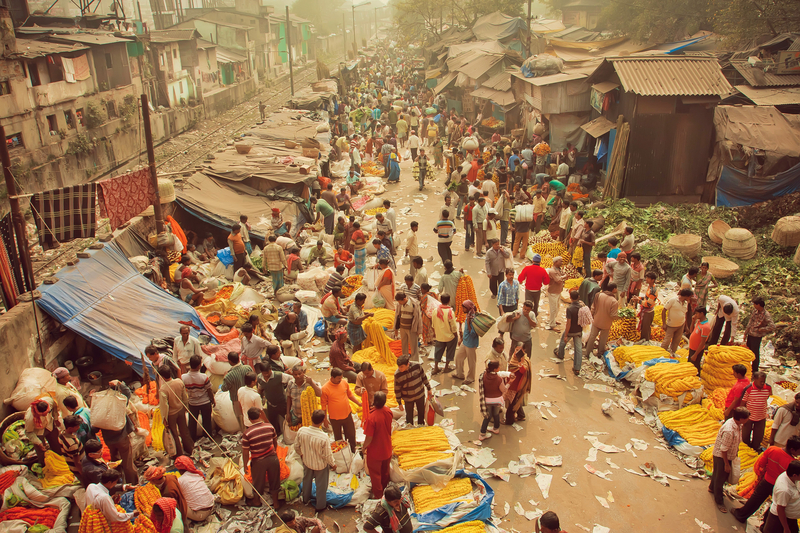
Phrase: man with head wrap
pixel 199 499
pixel 170 488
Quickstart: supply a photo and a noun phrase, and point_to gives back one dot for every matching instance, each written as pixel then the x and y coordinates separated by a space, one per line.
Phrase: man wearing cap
pixel 279 227
pixel 479 215
pixel 534 276
pixel 64 388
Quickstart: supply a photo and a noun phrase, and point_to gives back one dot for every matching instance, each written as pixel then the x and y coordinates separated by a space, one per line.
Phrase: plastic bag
pixel 169 443
pixel 223 414
pixel 357 465
pixel 289 435
pixel 225 481
pixel 736 471
pixel 307 297
pixel 378 300
pixel 109 408
pixel 32 384
pixel 319 328
pixel 225 256
pixel 344 459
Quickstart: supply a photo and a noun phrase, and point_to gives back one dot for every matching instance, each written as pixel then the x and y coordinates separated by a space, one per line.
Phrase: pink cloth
pixel 124 197
pixel 221 351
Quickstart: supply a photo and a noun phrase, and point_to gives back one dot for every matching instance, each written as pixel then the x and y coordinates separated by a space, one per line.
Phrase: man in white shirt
pixel 413 144
pixel 314 448
pixel 419 271
pixel 727 316
pixel 412 246
pixel 674 317
pixel 562 173
pixel 449 207
pixel 199 499
pixel 489 186
pixel 252 346
pixel 475 188
pixel 185 347
pixel 391 216
pixel 785 508
pixel 98 496
pixel 566 212
pixel 490 229
pixel 249 397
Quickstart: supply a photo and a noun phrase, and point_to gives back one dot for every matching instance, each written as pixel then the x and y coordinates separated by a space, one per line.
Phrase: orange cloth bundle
pixel 46 516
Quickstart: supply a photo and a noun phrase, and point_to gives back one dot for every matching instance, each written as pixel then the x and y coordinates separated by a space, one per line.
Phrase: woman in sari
pixel 394 168
pixel 520 386
pixel 359 243
pixel 385 283
pixel 427 324
pixel 294 265
pixel 705 281
pixel 355 318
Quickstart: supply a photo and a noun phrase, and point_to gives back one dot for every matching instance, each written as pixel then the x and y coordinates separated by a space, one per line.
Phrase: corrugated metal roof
pixel 447 80
pixel 499 82
pixel 173 35
pixel 541 81
pixel 224 55
pixel 771 95
pixel 758 78
pixel 502 98
pixel 666 76
pixel 597 127
pixel 93 38
pixel 29 48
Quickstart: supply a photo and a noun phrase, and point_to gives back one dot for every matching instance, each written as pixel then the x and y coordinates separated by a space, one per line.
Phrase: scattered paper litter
pixel 597 433
pixel 552 413
pixel 533 502
pixel 516 426
pixel 549 460
pixel 602 501
pixel 519 510
pixel 610 497
pixel 607 407
pixel 584 528
pixel 452 408
pixel 571 483
pixel 639 444
pixel 507 509
pixel 592 455
pixel 703 526
pixel 544 481
pixel 556 440
pixel 635 472
pixel 601 475
pixel 533 515
pixel 611 463
pixel 600 529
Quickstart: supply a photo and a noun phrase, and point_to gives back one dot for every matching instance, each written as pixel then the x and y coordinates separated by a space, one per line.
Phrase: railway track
pixel 174 156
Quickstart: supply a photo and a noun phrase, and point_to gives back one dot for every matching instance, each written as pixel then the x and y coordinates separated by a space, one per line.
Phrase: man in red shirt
pixel 534 276
pixel 699 337
pixel 768 467
pixel 469 229
pixel 742 381
pixel 755 397
pixel 378 444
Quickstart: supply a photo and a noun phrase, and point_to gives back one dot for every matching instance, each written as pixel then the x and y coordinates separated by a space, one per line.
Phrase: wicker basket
pixel 166 190
pixel 6 460
pixel 717 230
pixel 686 243
pixel 313 153
pixel 787 231
pixel 230 323
pixel 290 144
pixel 738 242
pixel 720 267
pixel 797 257
pixel 243 148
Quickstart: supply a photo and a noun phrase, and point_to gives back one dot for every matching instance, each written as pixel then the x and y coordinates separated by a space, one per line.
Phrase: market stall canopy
pixel 598 127
pixel 220 203
pixel 501 98
pixel 770 96
pixel 445 82
pixel 735 188
pixel 105 300
pixel 762 127
pixel 498 26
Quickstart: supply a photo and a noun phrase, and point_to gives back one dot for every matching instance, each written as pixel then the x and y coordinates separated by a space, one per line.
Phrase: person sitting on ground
pixel 189 293
pixel 169 488
pixel 318 253
pixel 391 515
pixel 279 227
pixel 300 523
pixel 548 523
pixel 166 517
pixel 99 499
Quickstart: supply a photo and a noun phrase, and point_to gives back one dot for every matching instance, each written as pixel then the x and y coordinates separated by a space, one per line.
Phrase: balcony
pixel 60 91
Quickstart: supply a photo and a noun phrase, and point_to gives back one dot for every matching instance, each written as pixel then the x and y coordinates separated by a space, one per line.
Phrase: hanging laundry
pixel 9 245
pixel 124 197
pixel 65 214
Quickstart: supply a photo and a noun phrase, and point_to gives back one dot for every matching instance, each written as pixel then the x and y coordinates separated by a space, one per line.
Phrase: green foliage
pixel 94 115
pixel 129 107
pixel 421 19
pixel 741 20
pixel 80 145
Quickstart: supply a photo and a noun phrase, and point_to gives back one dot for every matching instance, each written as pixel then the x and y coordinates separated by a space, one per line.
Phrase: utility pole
pixel 355 42
pixel 529 29
pixel 17 220
pixel 289 48
pixel 151 159
pixel 344 34
pixel 376 23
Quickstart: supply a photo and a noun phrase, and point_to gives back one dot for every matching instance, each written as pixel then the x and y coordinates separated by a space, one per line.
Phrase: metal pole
pixel 355 42
pixel 376 22
pixel 151 159
pixel 17 219
pixel 344 34
pixel 529 28
pixel 289 48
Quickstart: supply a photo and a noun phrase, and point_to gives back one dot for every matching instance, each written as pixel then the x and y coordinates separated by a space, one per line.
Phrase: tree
pixel 423 19
pixel 466 12
pixel 657 21
pixel 742 20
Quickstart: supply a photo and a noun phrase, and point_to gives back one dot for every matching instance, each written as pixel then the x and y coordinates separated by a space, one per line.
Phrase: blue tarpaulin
pixel 106 301
pixel 457 512
pixel 735 188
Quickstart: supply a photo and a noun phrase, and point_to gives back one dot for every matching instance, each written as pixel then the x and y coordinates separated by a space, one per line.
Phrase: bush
pixel 82 144
pixel 95 115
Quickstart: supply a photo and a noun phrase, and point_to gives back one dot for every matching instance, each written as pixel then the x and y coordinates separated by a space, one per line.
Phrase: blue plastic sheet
pixel 672 437
pixel 608 355
pixel 225 256
pixel 336 500
pixel 430 521
pixel 735 188
pixel 106 301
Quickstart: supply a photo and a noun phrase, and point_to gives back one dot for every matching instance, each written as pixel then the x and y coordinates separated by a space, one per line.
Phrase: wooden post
pixel 529 29
pixel 17 220
pixel 289 49
pixel 151 159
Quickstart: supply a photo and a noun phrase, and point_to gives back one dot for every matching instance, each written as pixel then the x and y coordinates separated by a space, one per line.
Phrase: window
pixel 5 88
pixel 79 116
pixel 109 62
pixel 14 140
pixel 52 123
pixel 174 54
pixel 161 59
pixel 69 118
pixel 33 73
pixel 111 109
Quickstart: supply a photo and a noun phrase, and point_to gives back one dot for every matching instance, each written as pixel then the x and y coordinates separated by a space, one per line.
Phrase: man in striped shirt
pixel 201 398
pixel 410 383
pixel 411 288
pixel 71 446
pixel 755 397
pixel 445 229
pixel 259 448
pixel 314 448
pixel 233 380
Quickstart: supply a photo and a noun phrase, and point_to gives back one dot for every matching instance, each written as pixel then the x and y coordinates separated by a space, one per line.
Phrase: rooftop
pixel 756 77
pixel 668 76
pixel 30 48
pixel 172 35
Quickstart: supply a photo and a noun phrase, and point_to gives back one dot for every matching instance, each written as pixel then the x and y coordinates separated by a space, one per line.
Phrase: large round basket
pixel 797 257
pixel 717 230
pixel 166 190
pixel 6 460
pixel 738 242
pixel 720 267
pixel 686 243
pixel 787 231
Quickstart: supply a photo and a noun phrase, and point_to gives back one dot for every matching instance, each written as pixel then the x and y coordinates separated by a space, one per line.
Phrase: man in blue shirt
pixel 513 161
pixel 615 250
